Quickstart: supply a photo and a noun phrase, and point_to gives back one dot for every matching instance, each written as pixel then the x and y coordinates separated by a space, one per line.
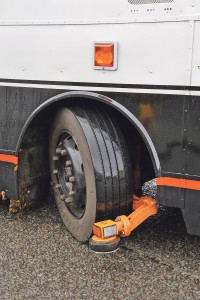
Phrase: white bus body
pixel 112 128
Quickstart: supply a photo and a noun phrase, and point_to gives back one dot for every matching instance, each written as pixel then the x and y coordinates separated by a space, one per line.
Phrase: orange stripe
pixel 9 158
pixel 179 183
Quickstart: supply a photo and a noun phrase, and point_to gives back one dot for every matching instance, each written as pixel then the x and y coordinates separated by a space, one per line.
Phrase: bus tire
pixel 90 168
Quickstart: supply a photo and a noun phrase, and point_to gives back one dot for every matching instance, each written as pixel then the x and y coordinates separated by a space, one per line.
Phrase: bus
pixel 100 100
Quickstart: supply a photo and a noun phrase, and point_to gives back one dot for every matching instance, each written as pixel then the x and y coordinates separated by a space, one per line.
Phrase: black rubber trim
pixel 111 161
pixel 111 85
pixel 8 152
pixel 104 246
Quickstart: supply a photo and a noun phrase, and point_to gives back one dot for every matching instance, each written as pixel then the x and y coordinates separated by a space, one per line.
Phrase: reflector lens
pixel 110 231
pixel 104 55
pixel 97 231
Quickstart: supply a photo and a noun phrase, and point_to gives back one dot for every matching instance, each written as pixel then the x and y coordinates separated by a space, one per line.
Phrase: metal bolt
pixel 72 179
pixel 63 152
pixel 69 171
pixel 55 157
pixel 68 200
pixel 62 197
pixel 71 194
pixel 55 171
pixel 122 224
pixel 117 219
pixel 122 232
pixel 68 163
pixel 58 150
pixel 57 186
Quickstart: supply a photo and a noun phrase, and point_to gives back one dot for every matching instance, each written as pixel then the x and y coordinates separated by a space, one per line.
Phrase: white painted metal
pixel 77 10
pixel 196 56
pixel 148 53
pixel 100 89
pixel 158 43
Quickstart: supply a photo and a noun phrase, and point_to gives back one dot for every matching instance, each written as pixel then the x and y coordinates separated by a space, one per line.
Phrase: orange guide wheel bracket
pixel 106 232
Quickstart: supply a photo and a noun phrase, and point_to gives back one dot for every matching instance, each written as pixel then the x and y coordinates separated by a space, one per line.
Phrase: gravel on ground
pixel 39 259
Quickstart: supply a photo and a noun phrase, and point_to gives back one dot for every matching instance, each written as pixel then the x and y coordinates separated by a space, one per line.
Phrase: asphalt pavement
pixel 39 259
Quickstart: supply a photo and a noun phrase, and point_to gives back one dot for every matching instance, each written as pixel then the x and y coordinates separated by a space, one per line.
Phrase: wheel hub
pixel 69 174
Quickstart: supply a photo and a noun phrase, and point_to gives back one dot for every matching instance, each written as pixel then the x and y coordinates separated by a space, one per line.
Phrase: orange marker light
pixel 104 55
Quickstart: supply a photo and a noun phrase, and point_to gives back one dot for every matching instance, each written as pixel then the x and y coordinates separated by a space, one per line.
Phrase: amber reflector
pixel 97 231
pixel 103 55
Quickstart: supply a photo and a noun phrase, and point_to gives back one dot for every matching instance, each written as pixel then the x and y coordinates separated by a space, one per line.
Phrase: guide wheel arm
pixel 106 232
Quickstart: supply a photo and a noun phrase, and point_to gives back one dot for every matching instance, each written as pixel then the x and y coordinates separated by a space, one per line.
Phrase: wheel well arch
pixel 69 97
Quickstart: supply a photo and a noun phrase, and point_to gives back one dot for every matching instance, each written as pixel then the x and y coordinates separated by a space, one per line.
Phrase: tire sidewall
pixel 66 121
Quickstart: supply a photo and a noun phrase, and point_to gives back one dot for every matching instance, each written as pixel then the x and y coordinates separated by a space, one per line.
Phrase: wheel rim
pixel 69 175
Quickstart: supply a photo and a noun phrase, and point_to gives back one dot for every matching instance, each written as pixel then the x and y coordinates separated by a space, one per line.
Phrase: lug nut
pixel 63 152
pixel 72 179
pixel 68 163
pixel 55 171
pixel 69 171
pixel 71 194
pixel 68 200
pixel 58 150
pixel 62 197
pixel 55 157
